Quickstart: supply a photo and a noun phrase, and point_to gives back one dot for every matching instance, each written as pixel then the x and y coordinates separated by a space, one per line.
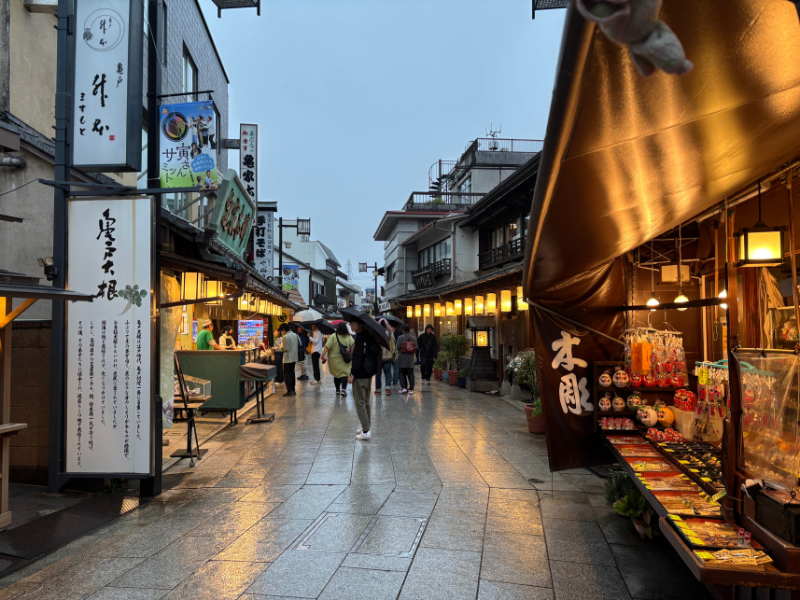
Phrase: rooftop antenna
pixel 348 268
pixel 494 145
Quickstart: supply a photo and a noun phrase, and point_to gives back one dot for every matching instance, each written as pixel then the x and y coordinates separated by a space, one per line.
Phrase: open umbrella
pixel 371 326
pixel 307 318
pixel 392 320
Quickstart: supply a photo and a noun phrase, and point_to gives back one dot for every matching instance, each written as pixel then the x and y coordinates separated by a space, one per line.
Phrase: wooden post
pixel 5 409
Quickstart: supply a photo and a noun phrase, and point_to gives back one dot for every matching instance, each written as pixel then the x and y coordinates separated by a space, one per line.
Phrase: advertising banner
pixel 109 396
pixel 291 277
pixel 233 214
pixel 188 145
pixel 264 242
pixel 106 126
pixel 369 295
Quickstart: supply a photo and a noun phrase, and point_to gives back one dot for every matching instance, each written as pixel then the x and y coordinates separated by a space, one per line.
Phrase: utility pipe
pixel 13 163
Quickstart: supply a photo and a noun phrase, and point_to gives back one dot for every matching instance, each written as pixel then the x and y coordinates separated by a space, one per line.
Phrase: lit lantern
pixel 244 302
pixel 457 308
pixel 505 301
pixel 417 311
pixel 426 310
pixel 521 304
pixel 761 246
pixel 437 310
pixel 479 306
pixel 468 307
pixel 449 310
pixel 192 287
pixel 481 339
pixel 409 311
pixel 214 290
pixel 491 304
pixel 262 307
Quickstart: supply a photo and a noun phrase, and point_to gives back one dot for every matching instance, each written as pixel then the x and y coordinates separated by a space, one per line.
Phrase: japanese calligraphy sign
pixel 109 395
pixel 264 241
pixel 233 214
pixel 291 277
pixel 423 280
pixel 248 159
pixel 106 126
pixel 188 145
pixel 565 353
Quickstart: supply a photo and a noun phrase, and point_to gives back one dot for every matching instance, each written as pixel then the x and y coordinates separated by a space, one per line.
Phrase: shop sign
pixel 291 277
pixel 188 145
pixel 423 280
pixel 109 394
pixel 264 242
pixel 233 214
pixel 107 61
pixel 572 392
pixel 369 295
pixel 385 306
pixel 248 159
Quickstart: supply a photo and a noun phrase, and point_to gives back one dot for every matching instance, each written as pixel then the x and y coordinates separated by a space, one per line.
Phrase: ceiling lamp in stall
pixel 760 245
pixel 653 301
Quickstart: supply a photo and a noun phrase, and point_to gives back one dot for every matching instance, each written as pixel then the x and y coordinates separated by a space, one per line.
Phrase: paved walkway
pixel 437 505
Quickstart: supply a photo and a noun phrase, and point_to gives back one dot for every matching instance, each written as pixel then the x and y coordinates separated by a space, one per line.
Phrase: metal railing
pixel 441 201
pixel 505 145
pixel 512 250
pixel 440 267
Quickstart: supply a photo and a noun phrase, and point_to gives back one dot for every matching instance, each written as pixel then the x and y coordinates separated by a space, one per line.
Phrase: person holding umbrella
pixel 367 359
pixel 337 348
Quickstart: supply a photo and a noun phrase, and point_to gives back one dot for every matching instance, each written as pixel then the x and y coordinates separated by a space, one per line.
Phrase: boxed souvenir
pixel 706 533
pixel 638 450
pixel 667 481
pixel 746 559
pixel 688 504
pixel 650 465
pixel 627 439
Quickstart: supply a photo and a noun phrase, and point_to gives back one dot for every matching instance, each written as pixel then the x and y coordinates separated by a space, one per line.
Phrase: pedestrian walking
pixel 315 342
pixel 277 352
pixel 389 359
pixel 337 350
pixel 301 354
pixel 428 352
pixel 398 331
pixel 366 362
pixel 291 345
pixel 408 348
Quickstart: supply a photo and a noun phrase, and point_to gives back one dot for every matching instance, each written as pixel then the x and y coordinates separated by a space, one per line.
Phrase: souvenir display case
pixel 784 327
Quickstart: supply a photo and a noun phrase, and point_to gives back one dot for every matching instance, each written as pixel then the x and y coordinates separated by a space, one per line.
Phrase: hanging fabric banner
pixel 565 353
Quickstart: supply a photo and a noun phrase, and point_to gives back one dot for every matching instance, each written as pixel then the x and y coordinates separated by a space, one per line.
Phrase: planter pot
pixel 535 424
pixel 462 382
pixel 437 373
pixel 452 377
pixel 443 375
pixel 641 528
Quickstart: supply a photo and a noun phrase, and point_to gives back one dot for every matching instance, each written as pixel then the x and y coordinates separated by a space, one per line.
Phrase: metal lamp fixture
pixel 760 245
pixel 681 299
pixel 505 301
pixel 521 304
pixel 653 302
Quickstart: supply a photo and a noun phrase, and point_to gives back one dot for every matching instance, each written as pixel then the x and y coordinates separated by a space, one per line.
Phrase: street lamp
pixel 303 227
pixel 362 268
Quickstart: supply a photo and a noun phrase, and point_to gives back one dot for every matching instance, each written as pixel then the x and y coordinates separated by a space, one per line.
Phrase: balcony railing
pixel 440 267
pixel 513 250
pixel 504 145
pixel 441 201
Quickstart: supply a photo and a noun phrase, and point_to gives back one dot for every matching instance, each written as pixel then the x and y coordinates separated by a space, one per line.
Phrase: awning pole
pixel 792 256
pixel 572 321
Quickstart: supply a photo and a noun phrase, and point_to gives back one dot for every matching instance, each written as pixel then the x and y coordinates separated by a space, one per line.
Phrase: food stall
pixel 666 338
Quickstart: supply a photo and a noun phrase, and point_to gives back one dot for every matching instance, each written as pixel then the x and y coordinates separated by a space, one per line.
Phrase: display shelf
pixel 706 486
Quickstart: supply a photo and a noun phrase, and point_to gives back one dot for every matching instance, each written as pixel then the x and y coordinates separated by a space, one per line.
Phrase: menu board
pixel 251 331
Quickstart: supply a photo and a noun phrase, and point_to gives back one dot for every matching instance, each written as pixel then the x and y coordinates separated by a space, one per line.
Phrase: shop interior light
pixel 491 304
pixel 437 310
pixel 479 306
pixel 482 338
pixel 468 307
pixel 653 302
pixel 760 245
pixel 681 299
pixel 192 286
pixel 521 304
pixel 262 307
pixel 244 302
pixel 417 311
pixel 723 295
pixel 214 290
pixel 505 301
pixel 426 310
pixel 449 310
pixel 457 307
pixel 409 311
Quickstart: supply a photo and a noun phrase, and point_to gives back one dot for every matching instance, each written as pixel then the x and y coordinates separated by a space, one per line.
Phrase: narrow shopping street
pixel 439 504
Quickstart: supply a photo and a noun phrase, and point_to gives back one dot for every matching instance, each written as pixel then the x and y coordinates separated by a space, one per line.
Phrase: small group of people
pixel 293 348
pixel 399 367
pixel 205 339
pixel 203 132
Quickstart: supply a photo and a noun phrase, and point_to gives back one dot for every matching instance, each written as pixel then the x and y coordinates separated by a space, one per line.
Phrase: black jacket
pixel 428 346
pixel 301 350
pixel 357 367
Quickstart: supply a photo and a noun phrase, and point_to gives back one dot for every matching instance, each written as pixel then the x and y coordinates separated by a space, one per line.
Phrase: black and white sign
pixel 107 100
pixel 108 426
pixel 423 280
pixel 248 159
pixel 264 241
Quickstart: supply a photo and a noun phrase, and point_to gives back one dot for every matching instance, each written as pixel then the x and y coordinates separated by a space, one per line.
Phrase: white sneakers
pixel 411 392
pixel 364 436
pixel 315 383
pixel 403 391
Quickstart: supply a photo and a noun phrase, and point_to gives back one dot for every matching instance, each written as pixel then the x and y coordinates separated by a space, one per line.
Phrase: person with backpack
pixel 428 352
pixel 301 354
pixel 367 358
pixel 408 349
pixel 389 359
pixel 398 331
pixel 337 348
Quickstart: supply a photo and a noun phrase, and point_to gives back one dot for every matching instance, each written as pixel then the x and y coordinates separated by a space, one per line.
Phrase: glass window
pixel 497 237
pixel 512 230
pixel 189 74
pixel 446 249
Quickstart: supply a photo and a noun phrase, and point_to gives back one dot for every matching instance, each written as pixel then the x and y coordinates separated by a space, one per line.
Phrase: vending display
pixel 251 332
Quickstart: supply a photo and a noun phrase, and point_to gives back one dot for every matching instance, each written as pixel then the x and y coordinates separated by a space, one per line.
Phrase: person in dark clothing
pixel 428 352
pixel 407 345
pixel 301 354
pixel 398 331
pixel 362 374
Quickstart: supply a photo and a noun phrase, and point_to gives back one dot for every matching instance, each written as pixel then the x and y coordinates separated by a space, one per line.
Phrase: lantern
pixel 417 311
pixel 521 304
pixel 468 307
pixel 437 310
pixel 262 307
pixel 479 305
pixel 244 302
pixel 214 290
pixel 192 287
pixel 760 245
pixel 409 311
pixel 491 304
pixel 457 308
pixel 505 301
pixel 449 310
pixel 482 339
pixel 426 310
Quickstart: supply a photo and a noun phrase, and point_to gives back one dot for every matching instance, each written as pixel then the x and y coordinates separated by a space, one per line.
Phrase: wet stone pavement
pixel 438 505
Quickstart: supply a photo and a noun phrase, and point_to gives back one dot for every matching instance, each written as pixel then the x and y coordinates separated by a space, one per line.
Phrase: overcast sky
pixel 356 99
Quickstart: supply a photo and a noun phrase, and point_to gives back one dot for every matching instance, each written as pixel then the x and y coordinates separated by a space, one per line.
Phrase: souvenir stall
pixel 662 280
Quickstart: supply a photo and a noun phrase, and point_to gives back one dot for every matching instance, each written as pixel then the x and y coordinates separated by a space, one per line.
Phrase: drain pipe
pixel 13 163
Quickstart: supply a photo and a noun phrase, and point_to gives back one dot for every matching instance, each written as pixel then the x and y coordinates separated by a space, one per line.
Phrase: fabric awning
pixel 627 158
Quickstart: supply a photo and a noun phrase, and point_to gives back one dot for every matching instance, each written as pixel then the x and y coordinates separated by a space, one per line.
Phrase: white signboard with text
pixel 108 402
pixel 105 81
pixel 264 243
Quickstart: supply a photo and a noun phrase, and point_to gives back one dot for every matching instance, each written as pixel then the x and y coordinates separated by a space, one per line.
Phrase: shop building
pixel 661 275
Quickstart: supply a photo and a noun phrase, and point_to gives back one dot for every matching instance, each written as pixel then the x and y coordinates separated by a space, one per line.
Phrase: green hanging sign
pixel 233 214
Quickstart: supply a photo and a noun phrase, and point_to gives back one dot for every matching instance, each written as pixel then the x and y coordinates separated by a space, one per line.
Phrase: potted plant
pixel 453 347
pixel 437 368
pixel 626 500
pixel 462 378
pixel 535 417
pixel 524 368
